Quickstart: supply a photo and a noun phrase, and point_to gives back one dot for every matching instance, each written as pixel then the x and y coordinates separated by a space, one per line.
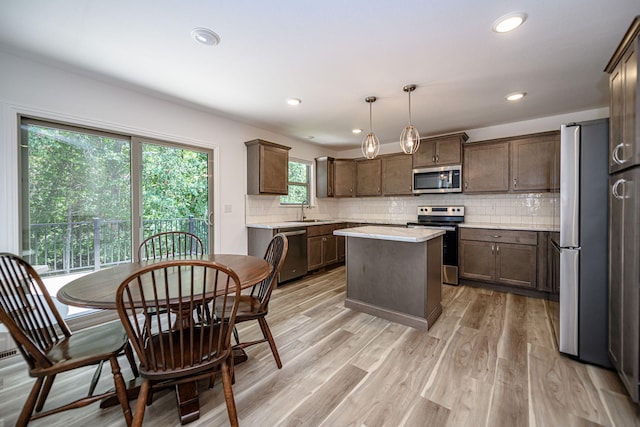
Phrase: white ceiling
pixel 334 53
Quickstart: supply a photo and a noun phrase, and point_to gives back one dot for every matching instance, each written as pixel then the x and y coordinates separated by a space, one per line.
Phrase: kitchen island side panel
pixel 399 281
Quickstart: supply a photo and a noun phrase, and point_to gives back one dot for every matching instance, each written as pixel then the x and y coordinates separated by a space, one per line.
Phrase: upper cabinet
pixel 344 173
pixel 325 182
pixel 440 151
pixel 368 177
pixel 624 147
pixel 267 167
pixel 486 167
pixel 535 162
pixel 397 178
pixel 515 164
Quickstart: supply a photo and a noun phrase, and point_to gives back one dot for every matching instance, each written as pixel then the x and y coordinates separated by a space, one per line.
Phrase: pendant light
pixel 410 138
pixel 370 143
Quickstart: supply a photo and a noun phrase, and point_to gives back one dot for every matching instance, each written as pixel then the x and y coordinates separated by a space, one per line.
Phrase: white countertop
pixel 399 234
pixel 291 224
pixel 536 227
pixel 296 224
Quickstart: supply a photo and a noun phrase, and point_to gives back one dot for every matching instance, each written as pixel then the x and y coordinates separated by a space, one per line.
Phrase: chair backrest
pixel 27 310
pixel 170 244
pixel 178 343
pixel 274 255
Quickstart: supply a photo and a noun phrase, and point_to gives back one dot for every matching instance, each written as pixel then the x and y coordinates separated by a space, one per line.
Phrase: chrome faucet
pixel 302 209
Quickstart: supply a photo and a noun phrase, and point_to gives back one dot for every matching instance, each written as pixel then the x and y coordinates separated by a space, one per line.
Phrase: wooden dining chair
pixel 47 344
pixel 170 244
pixel 179 348
pixel 255 306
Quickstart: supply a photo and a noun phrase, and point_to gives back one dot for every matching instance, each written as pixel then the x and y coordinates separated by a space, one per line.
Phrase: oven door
pixel 449 252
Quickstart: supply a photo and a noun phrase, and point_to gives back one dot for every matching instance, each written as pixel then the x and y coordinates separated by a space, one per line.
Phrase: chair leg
pixel 27 409
pixel 235 335
pixel 44 393
pixel 266 332
pixel 121 389
pixel 141 403
pixel 228 393
pixel 128 351
pixel 95 378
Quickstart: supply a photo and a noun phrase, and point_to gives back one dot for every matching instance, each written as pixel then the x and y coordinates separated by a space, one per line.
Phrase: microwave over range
pixel 443 179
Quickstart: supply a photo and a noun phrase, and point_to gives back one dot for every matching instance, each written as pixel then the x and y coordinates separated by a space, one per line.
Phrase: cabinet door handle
pixel 497 249
pixel 433 159
pixel 616 156
pixel 515 182
pixel 437 158
pixel 492 248
pixel 615 192
pixel 466 185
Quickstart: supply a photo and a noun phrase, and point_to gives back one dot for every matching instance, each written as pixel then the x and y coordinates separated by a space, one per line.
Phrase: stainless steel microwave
pixel 443 179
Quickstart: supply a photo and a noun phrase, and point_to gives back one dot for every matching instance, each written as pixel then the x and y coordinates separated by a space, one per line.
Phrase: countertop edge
pixel 410 235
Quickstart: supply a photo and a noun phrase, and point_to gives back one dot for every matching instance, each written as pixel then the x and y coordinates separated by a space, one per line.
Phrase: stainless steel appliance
pixel 444 218
pixel 295 263
pixel 582 246
pixel 443 179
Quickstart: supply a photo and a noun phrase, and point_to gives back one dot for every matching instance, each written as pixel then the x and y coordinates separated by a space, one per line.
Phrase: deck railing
pixel 90 245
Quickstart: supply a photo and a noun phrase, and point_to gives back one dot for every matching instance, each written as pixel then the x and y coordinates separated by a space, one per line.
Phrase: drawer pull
pixel 495 236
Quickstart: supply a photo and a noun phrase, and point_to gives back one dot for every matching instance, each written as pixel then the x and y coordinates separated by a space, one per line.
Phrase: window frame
pixel 309 184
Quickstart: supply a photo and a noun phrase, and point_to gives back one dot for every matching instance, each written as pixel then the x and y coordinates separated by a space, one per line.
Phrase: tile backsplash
pixel 517 209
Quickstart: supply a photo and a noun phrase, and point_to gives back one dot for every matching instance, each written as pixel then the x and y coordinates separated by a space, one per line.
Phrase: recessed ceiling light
pixel 205 36
pixel 356 131
pixel 515 96
pixel 509 22
pixel 294 101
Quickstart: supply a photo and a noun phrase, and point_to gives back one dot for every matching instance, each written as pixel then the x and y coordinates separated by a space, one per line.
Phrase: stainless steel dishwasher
pixel 295 263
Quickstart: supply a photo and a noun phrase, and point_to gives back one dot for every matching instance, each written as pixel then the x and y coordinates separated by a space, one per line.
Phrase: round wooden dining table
pixel 98 290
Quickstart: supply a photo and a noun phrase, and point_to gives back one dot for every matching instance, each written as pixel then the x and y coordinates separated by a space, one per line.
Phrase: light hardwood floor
pixel 490 360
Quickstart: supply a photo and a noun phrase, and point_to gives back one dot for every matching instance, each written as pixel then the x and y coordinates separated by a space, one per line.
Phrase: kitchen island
pixel 394 273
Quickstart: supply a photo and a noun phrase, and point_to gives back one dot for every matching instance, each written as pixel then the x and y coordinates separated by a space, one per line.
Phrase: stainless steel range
pixel 444 218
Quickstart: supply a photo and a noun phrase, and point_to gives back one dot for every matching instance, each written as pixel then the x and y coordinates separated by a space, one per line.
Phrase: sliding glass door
pixel 175 185
pixel 89 197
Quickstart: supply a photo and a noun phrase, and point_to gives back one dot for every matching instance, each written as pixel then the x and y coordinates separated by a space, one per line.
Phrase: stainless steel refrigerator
pixel 583 240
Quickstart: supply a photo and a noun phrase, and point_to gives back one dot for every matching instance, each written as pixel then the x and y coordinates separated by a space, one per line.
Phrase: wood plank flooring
pixel 490 360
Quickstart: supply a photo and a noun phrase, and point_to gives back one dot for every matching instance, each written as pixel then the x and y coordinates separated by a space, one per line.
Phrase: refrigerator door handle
pixel 569 276
pixel 570 184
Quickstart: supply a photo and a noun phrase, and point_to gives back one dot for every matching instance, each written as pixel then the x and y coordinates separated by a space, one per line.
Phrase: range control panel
pixel 441 210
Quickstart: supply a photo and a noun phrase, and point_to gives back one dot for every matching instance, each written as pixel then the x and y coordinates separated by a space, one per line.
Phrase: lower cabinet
pixel 323 248
pixel 503 257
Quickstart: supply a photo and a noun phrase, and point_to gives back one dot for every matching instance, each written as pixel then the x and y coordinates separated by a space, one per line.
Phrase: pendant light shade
pixel 370 143
pixel 410 138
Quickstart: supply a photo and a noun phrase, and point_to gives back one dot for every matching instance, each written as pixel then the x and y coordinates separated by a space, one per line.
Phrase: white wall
pixel 42 90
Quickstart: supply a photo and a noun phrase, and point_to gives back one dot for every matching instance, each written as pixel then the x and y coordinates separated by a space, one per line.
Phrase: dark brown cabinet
pixel 397 178
pixel 322 246
pixel 624 212
pixel 504 257
pixel 624 150
pixel 535 162
pixel 515 164
pixel 344 178
pixel 368 177
pixel 486 167
pixel 325 176
pixel 624 277
pixel 440 151
pixel 267 167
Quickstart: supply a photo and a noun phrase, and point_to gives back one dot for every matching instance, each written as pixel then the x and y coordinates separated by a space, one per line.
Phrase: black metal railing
pixel 85 245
